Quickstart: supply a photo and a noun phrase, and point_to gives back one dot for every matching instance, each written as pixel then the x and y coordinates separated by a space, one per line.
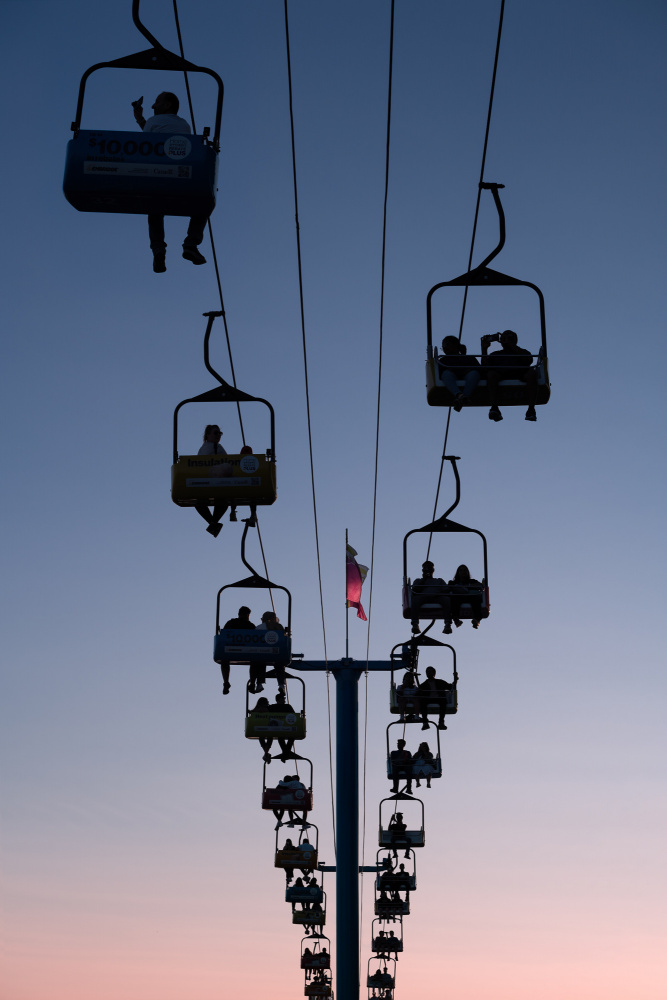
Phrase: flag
pixel 355 575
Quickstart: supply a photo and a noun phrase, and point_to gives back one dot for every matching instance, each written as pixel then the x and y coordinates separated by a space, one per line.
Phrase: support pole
pixel 347 830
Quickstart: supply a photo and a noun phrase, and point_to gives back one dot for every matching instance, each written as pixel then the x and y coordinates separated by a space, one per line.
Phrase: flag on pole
pixel 355 575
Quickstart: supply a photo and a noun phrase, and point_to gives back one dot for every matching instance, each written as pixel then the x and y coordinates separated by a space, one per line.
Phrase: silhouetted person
pixel 463 583
pixel 423 763
pixel 401 766
pixel 166 119
pixel 437 689
pixel 510 362
pixel 453 364
pixel 243 621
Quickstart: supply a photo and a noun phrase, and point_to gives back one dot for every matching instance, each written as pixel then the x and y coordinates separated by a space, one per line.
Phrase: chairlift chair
pixel 440 600
pixel 399 839
pixel 406 700
pixel 303 854
pixel 512 391
pixel 384 940
pixel 413 770
pixel 143 173
pixel 236 480
pixel 271 722
pixel 381 974
pixel 389 879
pixel 318 957
pixel 282 797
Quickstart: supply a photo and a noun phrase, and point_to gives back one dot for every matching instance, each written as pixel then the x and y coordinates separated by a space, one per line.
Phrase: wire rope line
pixel 307 393
pixel 303 326
pixel 210 228
pixel 474 233
pixel 377 440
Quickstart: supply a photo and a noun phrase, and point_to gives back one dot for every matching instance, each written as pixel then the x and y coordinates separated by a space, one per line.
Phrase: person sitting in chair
pixel 435 689
pixel 510 362
pixel 453 364
pixel 167 120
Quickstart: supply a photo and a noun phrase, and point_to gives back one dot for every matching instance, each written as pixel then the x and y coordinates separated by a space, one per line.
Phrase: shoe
pixel 475 623
pixel 425 725
pixel 214 529
pixel 458 622
pixel 530 413
pixel 447 630
pixel 458 402
pixel 225 689
pixel 441 726
pixel 495 414
pixel 193 254
pixel 267 758
pixel 159 265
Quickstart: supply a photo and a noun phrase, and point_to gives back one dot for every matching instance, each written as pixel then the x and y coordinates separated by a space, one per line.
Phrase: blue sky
pixel 134 849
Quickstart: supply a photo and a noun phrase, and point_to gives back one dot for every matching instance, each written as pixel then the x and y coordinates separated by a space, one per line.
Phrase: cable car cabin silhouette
pixel 310 916
pixel 223 480
pixel 430 597
pixel 384 941
pixel 406 698
pixel 420 764
pixel 138 172
pixel 302 854
pixel 268 721
pixel 319 985
pixel 393 876
pixel 396 834
pixel 317 958
pixel 382 977
pixel 287 796
pixel 511 391
pixel 390 907
pixel 300 893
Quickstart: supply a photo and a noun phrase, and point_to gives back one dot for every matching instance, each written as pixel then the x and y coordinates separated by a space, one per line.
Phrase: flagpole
pixel 347 616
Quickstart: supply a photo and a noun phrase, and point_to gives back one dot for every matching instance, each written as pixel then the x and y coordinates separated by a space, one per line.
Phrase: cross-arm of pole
pixel 347 663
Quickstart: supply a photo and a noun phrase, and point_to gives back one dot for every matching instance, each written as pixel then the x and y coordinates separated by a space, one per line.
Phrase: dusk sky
pixel 136 860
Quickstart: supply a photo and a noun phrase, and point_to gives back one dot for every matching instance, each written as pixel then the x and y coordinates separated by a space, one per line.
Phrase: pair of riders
pixel 510 362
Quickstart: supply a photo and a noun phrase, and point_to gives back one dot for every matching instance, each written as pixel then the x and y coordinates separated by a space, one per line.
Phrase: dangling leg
pixel 224 670
pixel 492 380
pixel 158 246
pixel 266 742
pixel 194 237
pixel 287 747
pixel 214 527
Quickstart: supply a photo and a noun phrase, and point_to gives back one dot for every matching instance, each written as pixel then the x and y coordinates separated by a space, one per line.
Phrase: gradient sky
pixel 136 861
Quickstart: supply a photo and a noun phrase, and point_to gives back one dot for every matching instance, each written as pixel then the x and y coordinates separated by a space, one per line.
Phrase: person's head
pixel 280 698
pixel 400 744
pixel 212 433
pixel 508 338
pixel 268 617
pixel 288 777
pixel 246 450
pixel 262 705
pixel 244 612
pixel 409 679
pixel 422 747
pixel 462 574
pixel 427 568
pixel 451 345
pixel 166 103
pixel 399 815
pixel 430 672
